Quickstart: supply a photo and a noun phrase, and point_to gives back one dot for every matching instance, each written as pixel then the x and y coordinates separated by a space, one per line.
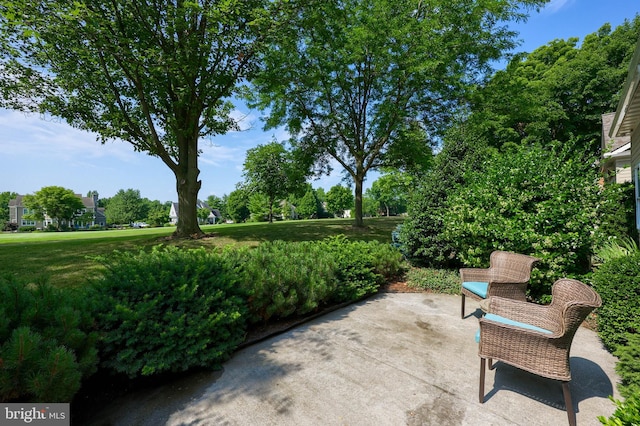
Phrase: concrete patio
pixel 393 359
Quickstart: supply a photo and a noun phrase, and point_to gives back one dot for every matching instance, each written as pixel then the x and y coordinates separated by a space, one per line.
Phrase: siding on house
pixel 626 122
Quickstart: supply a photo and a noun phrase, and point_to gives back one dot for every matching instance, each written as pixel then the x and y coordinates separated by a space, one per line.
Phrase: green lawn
pixel 62 256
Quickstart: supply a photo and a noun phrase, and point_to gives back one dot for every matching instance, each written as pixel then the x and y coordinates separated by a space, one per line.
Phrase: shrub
pixel 361 266
pixel 616 212
pixel 422 232
pixel 627 412
pixel 26 229
pixel 47 343
pixel 628 366
pixel 618 283
pixel 167 310
pixel 284 279
pixel 533 200
pixel 438 280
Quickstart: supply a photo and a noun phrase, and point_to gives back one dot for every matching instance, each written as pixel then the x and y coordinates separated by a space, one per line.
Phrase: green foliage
pixel 618 283
pixel 308 206
pixel 167 310
pixel 532 200
pixel 616 213
pixel 558 91
pixel 126 207
pixel 349 78
pixel 27 228
pixel 422 233
pixel 627 412
pixel 615 248
pixel 284 279
pixel 5 197
pixel 391 191
pixel 628 365
pixel 56 202
pixel 238 205
pixel 361 266
pixel 47 344
pixel 158 75
pixel 339 199
pixel 437 280
pixel 272 171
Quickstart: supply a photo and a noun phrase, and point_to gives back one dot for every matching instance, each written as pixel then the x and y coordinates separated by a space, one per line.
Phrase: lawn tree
pixel 157 74
pixel 238 205
pixel 5 197
pixel 358 81
pixel 392 191
pixel 270 170
pixel 339 199
pixel 126 207
pixel 59 204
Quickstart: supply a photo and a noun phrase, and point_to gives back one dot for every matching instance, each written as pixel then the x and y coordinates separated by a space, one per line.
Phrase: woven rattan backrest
pixel 512 267
pixel 572 301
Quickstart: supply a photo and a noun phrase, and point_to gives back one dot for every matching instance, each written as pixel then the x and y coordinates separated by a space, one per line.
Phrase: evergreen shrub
pixel 618 283
pixel 362 266
pixel 628 365
pixel 167 310
pixel 627 412
pixel 47 344
pixel 283 278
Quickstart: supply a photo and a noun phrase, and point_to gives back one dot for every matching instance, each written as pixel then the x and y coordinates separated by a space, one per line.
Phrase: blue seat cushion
pixel 498 318
pixel 476 288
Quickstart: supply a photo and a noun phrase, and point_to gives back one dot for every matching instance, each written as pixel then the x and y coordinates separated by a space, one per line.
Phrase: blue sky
pixel 37 152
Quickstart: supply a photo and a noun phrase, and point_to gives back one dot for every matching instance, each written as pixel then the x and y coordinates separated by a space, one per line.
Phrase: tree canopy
pixel 558 91
pixel 339 199
pixel 366 82
pixel 157 74
pixel 61 205
pixel 126 207
pixel 270 170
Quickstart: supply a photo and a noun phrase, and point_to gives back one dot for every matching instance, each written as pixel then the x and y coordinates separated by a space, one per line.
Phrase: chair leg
pixel 462 308
pixel 568 403
pixel 491 366
pixel 481 390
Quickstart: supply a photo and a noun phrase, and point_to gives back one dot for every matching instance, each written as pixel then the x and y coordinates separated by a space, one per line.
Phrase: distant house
pixel 213 218
pixel 626 122
pixel 616 153
pixel 17 211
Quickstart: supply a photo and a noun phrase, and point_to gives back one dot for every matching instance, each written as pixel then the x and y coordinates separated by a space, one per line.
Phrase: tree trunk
pixel 188 186
pixel 359 223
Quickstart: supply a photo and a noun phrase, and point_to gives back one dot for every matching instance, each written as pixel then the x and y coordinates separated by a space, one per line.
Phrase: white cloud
pixel 556 5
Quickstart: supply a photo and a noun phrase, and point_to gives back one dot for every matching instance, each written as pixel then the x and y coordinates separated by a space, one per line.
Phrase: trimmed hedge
pixel 618 283
pixel 168 310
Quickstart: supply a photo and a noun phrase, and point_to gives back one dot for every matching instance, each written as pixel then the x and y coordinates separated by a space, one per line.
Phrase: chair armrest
pixel 475 274
pixel 529 313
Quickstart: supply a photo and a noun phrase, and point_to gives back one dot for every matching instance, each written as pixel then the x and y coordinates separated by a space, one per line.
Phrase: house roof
pixel 627 114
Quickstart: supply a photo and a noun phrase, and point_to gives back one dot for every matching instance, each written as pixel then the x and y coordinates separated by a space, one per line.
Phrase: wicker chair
pixel 507 276
pixel 537 338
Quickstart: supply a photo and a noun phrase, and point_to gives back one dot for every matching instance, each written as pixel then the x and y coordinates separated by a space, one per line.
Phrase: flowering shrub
pixel 532 200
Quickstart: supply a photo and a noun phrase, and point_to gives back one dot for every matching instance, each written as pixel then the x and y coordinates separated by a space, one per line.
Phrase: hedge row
pixel 170 310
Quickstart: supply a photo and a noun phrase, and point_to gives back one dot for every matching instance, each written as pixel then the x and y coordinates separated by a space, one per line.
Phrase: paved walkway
pixel 394 359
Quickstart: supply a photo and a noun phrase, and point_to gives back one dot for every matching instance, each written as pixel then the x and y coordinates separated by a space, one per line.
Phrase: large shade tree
pixel 158 74
pixel 365 82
